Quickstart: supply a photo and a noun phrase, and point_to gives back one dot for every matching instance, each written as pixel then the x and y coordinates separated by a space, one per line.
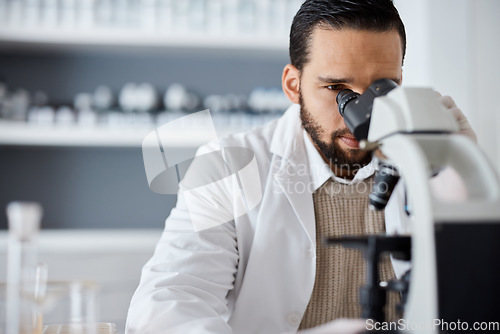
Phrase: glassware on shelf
pixel 258 18
pixel 24 224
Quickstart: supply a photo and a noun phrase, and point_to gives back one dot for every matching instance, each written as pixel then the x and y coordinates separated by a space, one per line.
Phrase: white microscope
pixel 454 246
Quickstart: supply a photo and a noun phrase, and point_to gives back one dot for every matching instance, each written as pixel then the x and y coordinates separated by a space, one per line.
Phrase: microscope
pixel 453 246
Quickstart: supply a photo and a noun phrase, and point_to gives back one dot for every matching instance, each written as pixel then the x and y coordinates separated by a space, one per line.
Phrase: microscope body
pixel 454 243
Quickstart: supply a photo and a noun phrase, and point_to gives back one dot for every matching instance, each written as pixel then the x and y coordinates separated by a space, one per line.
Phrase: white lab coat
pixel 252 275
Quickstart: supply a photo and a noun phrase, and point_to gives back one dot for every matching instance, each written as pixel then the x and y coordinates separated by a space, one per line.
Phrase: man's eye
pixel 335 87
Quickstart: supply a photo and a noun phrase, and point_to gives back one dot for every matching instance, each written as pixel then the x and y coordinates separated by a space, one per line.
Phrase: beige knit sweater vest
pixel 342 209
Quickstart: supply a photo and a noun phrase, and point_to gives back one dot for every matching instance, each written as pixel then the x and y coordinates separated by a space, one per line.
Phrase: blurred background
pixel 83 81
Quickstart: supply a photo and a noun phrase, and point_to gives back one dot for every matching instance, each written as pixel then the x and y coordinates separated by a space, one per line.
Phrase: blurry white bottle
pixel 213 17
pixel 165 16
pixel 104 14
pixel 146 98
pixel 127 97
pixel 31 14
pixel 3 11
pixel 181 17
pixel 86 14
pixel 46 116
pixel 122 14
pixel 87 117
pixel 177 98
pixel 263 17
pixel 197 11
pixel 148 10
pixel 19 102
pixel 50 15
pixel 64 116
pixel 231 17
pixel 214 103
pixel 15 13
pixel 103 98
pixel 246 14
pixel 68 14
pixel 279 12
pixel 24 224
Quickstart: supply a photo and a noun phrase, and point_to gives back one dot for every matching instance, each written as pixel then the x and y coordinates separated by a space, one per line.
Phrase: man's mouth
pixel 350 141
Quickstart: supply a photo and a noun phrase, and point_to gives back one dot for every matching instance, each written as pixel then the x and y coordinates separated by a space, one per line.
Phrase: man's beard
pixel 347 159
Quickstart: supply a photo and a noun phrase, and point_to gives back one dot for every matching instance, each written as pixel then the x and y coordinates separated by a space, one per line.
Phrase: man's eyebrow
pixel 347 80
pixel 334 80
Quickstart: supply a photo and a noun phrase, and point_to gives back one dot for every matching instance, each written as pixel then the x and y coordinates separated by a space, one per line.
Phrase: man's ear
pixel 290 82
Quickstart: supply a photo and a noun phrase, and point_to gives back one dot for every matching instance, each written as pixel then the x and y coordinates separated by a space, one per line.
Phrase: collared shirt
pixel 320 172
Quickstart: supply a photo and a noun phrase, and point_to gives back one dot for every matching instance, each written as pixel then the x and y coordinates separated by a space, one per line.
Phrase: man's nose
pixel 361 88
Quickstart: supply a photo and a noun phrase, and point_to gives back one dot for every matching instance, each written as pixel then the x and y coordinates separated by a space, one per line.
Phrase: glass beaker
pixel 100 328
pixel 70 305
pixel 65 307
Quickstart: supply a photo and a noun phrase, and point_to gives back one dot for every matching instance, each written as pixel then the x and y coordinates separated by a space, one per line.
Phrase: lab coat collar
pixel 286 140
pixel 292 174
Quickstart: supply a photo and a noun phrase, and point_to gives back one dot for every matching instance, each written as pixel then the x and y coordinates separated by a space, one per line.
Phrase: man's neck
pixel 345 173
pixel 339 170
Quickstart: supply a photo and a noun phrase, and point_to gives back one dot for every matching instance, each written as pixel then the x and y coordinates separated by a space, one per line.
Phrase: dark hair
pixel 374 15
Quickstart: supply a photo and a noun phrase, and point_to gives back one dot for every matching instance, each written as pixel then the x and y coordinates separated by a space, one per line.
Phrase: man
pixel 266 271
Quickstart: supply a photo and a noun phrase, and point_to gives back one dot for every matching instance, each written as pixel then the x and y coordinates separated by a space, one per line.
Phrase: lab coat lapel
pixel 293 176
pixel 296 188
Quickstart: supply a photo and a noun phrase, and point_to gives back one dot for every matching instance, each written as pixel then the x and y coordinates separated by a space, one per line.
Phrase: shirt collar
pixel 321 172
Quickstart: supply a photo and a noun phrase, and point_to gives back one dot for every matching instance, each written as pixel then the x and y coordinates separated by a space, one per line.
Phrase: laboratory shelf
pixel 22 134
pixel 74 39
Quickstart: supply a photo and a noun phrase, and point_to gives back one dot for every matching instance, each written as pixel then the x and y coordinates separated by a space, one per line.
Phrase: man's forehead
pixel 354 46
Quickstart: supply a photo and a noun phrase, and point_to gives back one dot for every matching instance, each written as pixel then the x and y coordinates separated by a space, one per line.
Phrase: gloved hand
pixel 448 186
pixel 463 123
pixel 339 326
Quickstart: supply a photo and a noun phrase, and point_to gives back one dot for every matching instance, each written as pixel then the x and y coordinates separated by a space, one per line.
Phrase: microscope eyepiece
pixel 357 109
pixel 343 97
